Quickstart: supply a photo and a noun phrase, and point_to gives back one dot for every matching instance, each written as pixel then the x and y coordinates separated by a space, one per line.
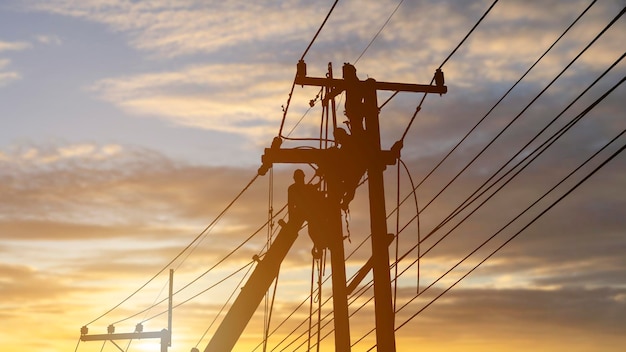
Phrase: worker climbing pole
pixel 342 167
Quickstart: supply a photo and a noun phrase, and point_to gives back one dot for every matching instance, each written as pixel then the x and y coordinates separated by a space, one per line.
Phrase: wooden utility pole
pixel 363 115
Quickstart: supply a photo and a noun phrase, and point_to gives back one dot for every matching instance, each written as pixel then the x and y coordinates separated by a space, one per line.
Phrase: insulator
pixel 301 69
pixel 276 142
pixel 439 80
pixel 111 329
pixel 84 330
pixel 316 252
pixel 139 327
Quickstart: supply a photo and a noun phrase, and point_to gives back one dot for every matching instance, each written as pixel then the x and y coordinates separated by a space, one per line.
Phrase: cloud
pixel 7 77
pixel 188 27
pixel 505 314
pixel 118 212
pixel 14 46
pixel 208 96
pixel 49 39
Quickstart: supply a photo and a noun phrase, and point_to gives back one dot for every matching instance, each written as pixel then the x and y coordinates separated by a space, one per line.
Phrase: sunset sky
pixel 127 126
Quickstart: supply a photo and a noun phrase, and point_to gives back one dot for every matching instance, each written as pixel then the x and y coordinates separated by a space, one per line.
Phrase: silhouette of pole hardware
pixel 165 335
pixel 363 121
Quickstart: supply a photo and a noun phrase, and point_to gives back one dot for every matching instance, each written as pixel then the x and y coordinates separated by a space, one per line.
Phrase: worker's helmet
pixel 298 174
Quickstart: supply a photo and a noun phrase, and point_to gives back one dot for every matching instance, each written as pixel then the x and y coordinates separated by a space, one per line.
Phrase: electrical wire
pixel 293 85
pixel 378 33
pixel 616 153
pixel 181 252
pixel 205 272
pixel 444 60
pixel 559 133
pixel 468 34
pixel 232 294
pixel 203 291
pixel 463 205
pixel 526 107
pixel 419 106
pixel 513 236
pixel 535 154
pixel 417 211
pixel 504 95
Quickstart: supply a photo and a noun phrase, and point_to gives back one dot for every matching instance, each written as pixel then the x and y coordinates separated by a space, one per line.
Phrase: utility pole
pixel 363 115
pixel 165 335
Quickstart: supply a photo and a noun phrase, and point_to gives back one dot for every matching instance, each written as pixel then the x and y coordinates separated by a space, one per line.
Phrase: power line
pixel 526 108
pixel 419 106
pixel 616 153
pixel 232 294
pixel 378 33
pixel 463 205
pixel 181 252
pixel 468 34
pixel 223 259
pixel 504 95
pixel 558 134
pixel 293 85
pixel 535 154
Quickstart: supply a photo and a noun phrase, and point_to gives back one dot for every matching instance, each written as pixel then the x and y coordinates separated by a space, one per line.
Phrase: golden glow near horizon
pixel 128 126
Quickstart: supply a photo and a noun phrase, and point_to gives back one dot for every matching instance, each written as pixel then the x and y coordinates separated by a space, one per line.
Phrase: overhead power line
pixel 526 107
pixel 595 170
pixel 379 31
pixel 181 252
pixel 503 96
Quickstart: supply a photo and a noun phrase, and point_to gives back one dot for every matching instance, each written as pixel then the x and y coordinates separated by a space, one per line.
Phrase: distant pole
pixel 169 308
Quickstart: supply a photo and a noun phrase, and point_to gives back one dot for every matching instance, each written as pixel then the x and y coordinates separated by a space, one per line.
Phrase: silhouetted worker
pixel 352 163
pixel 297 198
pixel 305 203
pixel 354 99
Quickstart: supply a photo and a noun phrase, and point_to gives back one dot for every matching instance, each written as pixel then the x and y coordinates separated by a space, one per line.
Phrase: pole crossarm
pixel 314 156
pixel 163 334
pixel 397 87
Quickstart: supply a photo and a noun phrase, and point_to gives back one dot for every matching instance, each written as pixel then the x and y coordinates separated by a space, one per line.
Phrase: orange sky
pixel 127 127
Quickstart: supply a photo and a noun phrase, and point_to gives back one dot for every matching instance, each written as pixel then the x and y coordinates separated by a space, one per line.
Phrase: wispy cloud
pixel 188 27
pixel 14 46
pixel 49 39
pixel 208 96
pixel 7 76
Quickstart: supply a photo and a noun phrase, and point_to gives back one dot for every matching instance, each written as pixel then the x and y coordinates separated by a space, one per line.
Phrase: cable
pixel 560 133
pixel 203 291
pixel 505 95
pixel 78 343
pixel 417 211
pixel 467 35
pixel 204 273
pixel 463 206
pixel 319 30
pixel 531 222
pixel 512 237
pixel 235 290
pixel 526 108
pixel 378 33
pixel 181 252
pixel 556 136
pixel 536 153
pixel 419 106
pixel 293 85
